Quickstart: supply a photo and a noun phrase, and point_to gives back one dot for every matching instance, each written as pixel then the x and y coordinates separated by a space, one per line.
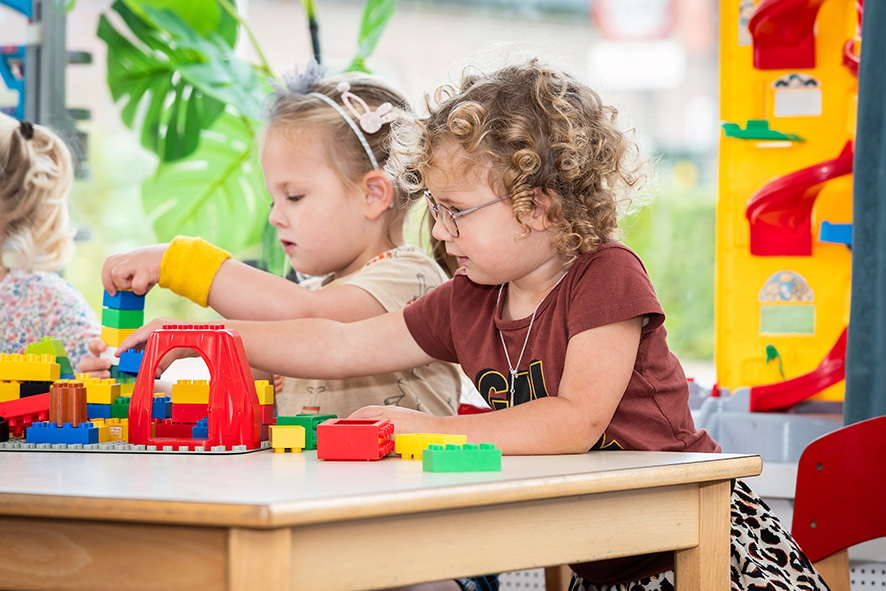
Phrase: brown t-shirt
pixel 460 322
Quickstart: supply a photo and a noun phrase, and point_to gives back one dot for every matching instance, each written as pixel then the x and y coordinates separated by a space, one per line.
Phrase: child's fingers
pixel 95 367
pixel 97 347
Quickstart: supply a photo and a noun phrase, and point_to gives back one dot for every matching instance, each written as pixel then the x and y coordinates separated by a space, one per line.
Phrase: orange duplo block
pixel 67 403
pixel 10 391
pixel 265 391
pixel 29 368
pixel 190 392
pixel 114 336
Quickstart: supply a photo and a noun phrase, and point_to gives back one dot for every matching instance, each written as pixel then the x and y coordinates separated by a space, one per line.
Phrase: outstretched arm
pixel 236 290
pixel 599 364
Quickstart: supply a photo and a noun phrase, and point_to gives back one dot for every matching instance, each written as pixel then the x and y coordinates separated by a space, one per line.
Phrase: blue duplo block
pixel 98 411
pixel 123 300
pixel 44 432
pixel 130 361
pixel 201 429
pixel 161 408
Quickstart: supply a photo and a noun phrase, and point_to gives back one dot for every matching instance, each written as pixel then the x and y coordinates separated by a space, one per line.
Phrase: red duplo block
pixel 354 439
pixel 189 413
pixel 20 413
pixel 168 428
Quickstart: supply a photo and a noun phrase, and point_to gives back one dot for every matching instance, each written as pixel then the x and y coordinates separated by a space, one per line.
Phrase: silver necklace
pixel 513 369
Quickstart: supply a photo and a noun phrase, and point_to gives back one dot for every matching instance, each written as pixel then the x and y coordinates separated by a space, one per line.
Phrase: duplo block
pixel 412 445
pixel 120 408
pixel 291 437
pixel 130 361
pixel 123 300
pixel 10 391
pixel 354 439
pixel 67 403
pixel 114 336
pixel 117 318
pixel 20 368
pixel 190 392
pixel 189 413
pixel 309 422
pixel 265 392
pixel 100 391
pixel 31 388
pixel 469 457
pixel 201 429
pixel 84 433
pixel 98 411
pixel 47 346
pixel 161 407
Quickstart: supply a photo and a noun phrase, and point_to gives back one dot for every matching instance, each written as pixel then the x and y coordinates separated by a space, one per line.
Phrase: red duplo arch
pixel 234 411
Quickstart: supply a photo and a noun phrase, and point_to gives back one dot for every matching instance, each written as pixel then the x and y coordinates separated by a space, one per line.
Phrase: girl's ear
pixel 538 219
pixel 378 192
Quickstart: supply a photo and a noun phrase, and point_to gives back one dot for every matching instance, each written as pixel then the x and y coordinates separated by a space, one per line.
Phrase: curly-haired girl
pixel 35 177
pixel 554 320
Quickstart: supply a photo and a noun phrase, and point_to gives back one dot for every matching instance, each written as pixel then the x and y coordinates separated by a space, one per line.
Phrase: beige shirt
pixel 396 279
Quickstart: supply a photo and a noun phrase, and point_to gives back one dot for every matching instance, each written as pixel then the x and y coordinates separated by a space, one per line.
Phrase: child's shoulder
pixel 407 258
pixel 611 254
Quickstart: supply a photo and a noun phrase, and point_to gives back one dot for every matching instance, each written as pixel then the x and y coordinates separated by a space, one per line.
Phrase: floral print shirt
pixel 37 304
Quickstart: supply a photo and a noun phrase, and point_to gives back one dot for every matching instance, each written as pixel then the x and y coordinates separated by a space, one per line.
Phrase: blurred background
pixel 656 60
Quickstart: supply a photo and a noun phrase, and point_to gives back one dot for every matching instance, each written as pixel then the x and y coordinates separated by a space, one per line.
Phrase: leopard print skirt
pixel 764 556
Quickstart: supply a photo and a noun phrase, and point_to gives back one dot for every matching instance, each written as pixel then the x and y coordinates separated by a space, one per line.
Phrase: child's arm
pixel 599 364
pixel 236 290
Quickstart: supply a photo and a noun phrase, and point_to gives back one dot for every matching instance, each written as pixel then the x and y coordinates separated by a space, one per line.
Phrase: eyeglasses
pixel 447 217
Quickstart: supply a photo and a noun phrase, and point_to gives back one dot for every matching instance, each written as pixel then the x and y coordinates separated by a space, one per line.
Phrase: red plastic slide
pixel 780 213
pixel 784 33
pixel 830 371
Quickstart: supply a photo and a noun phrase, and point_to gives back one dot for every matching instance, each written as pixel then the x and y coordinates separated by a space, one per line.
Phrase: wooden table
pixel 288 521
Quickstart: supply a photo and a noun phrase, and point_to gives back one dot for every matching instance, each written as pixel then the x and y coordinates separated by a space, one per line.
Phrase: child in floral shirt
pixel 36 239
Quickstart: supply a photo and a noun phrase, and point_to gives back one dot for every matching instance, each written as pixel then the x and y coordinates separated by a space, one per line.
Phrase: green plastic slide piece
pixel 758 129
pixel 469 457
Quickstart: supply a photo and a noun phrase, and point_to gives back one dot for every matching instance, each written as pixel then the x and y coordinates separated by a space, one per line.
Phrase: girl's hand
pixel 139 338
pixel 405 420
pixel 96 366
pixel 138 270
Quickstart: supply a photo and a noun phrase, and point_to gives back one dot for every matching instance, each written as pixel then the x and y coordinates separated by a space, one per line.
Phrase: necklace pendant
pixel 513 381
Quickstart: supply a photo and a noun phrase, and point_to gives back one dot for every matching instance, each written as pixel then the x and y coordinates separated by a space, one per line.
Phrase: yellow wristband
pixel 188 267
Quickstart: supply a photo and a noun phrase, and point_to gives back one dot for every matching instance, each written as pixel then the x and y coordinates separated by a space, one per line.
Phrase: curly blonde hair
pixel 36 174
pixel 536 127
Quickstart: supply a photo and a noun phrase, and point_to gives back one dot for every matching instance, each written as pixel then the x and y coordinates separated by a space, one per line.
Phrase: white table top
pixel 267 489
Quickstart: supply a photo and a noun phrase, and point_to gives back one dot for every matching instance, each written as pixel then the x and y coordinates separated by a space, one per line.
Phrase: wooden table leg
pixel 706 567
pixel 259 559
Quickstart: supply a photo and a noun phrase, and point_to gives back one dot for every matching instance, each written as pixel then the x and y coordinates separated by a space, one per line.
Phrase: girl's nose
pixel 440 232
pixel 274 217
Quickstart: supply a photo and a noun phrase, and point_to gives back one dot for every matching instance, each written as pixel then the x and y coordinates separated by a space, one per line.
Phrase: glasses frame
pixel 444 215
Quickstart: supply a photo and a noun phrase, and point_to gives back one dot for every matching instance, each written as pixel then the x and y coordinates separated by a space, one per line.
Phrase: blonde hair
pixel 36 175
pixel 294 112
pixel 537 127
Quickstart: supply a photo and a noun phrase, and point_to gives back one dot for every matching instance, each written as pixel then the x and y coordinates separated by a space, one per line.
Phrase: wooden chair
pixel 557 578
pixel 838 503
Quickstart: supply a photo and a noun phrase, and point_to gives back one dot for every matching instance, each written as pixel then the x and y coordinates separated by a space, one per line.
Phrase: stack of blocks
pixel 122 314
pixel 265 392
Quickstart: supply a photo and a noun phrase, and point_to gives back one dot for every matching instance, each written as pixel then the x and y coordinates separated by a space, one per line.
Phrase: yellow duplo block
pixel 9 391
pixel 265 391
pixel 104 434
pixel 127 389
pixel 101 391
pixel 412 445
pixel 291 437
pixel 29 368
pixel 118 429
pixel 190 392
pixel 114 336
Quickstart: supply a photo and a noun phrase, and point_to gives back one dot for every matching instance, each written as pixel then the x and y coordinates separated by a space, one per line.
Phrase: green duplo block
pixel 469 457
pixel 309 422
pixel 120 408
pixel 122 318
pixel 65 364
pixel 47 346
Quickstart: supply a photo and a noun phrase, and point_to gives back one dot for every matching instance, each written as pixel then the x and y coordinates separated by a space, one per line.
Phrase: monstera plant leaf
pixel 376 15
pixel 174 81
pixel 216 193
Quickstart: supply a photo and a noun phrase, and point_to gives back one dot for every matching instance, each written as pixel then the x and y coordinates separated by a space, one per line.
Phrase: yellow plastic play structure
pixel 788 104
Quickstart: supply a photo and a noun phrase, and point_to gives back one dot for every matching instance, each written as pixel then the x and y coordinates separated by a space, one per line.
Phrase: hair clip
pixel 298 83
pixel 370 121
pixel 26 128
